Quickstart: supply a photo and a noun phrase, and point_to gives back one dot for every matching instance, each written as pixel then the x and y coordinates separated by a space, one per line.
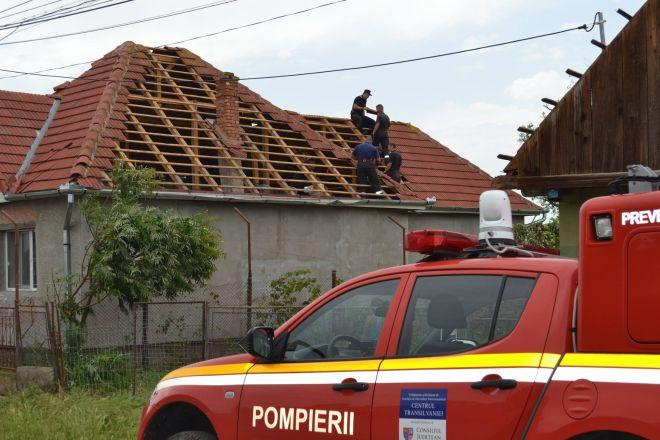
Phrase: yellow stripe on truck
pixel 498 360
pixel 611 360
pixel 209 370
pixel 495 360
pixel 317 367
pixel 550 360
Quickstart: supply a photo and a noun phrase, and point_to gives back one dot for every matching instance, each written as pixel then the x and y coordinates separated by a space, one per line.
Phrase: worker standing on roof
pixel 362 122
pixel 395 160
pixel 367 158
pixel 381 131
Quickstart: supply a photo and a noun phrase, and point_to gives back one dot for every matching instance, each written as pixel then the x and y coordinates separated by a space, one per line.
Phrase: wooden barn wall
pixel 611 117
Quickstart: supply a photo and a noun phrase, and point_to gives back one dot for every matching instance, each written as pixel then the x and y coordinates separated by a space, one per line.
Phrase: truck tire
pixel 192 435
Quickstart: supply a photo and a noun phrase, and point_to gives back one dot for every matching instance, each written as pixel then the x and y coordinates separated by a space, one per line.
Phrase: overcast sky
pixel 472 103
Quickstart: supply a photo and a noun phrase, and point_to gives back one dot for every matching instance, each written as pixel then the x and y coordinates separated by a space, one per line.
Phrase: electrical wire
pixel 344 69
pixel 593 25
pixel 256 23
pixel 129 23
pixel 30 9
pixel 16 6
pixel 279 17
pixel 47 19
pixel 411 60
pixel 25 24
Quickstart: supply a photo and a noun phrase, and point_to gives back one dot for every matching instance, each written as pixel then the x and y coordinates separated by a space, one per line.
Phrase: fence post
pixel 60 348
pixel 134 363
pixel 145 336
pixel 50 335
pixel 334 279
pixel 205 348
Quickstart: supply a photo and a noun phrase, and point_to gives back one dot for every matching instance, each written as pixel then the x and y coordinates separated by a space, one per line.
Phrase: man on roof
pixel 381 131
pixel 367 158
pixel 363 122
pixel 395 160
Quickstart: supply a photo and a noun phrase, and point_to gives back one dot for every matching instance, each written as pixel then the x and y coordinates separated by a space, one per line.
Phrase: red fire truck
pixel 482 339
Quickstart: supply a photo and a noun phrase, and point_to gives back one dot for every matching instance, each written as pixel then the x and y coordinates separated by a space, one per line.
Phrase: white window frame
pixel 33 282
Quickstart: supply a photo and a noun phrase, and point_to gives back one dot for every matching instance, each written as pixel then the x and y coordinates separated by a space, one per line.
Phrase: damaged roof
pixel 170 110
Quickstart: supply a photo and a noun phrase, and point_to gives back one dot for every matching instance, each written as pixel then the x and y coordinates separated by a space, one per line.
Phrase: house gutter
pixel 417 206
pixel 74 189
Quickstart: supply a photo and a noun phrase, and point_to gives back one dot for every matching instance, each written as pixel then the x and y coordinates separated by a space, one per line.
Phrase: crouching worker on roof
pixel 364 123
pixel 367 158
pixel 394 160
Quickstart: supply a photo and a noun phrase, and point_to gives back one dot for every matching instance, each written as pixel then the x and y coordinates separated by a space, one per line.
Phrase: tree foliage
pixel 543 233
pixel 137 252
pixel 286 294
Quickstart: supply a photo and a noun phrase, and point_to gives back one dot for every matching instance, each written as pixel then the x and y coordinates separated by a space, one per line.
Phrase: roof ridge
pixel 113 88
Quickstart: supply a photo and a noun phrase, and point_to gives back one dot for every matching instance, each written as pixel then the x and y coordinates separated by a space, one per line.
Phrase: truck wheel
pixel 192 435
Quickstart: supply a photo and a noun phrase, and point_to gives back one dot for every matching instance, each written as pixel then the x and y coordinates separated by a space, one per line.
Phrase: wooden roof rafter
pixel 193 168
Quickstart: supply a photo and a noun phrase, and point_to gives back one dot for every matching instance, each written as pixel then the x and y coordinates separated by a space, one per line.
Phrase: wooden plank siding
pixel 609 119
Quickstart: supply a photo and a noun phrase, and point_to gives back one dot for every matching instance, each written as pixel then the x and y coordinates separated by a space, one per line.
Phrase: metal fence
pixel 131 349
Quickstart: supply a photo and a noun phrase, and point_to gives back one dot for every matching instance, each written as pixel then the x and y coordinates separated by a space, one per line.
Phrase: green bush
pixel 286 294
pixel 103 371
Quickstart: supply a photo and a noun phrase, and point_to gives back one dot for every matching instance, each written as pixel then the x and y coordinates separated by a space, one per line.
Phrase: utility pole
pixel 601 26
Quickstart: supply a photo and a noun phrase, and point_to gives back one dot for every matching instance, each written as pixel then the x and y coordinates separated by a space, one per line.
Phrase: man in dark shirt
pixel 362 122
pixel 381 133
pixel 395 161
pixel 367 157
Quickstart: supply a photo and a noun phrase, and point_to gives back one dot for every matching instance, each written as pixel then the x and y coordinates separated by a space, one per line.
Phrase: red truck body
pixel 465 348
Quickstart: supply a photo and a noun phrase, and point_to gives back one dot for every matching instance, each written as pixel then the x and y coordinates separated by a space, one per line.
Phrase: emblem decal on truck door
pixel 423 414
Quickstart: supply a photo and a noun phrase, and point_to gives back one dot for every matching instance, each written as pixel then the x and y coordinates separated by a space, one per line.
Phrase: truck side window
pixel 347 327
pixel 455 313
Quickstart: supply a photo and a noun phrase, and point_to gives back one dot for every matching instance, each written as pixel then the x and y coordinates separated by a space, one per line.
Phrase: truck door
pixel 464 356
pixel 324 387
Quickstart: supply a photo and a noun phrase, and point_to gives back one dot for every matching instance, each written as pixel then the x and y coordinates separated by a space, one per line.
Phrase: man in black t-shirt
pixel 395 160
pixel 361 121
pixel 381 131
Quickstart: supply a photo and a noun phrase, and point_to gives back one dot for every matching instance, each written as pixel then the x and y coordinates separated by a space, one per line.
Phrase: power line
pixel 129 23
pixel 279 17
pixel 343 69
pixel 27 23
pixel 256 23
pixel 411 60
pixel 46 19
pixel 16 6
pixel 30 9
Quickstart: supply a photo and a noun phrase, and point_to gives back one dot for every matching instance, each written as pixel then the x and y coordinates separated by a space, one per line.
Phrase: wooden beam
pixel 184 146
pixel 156 151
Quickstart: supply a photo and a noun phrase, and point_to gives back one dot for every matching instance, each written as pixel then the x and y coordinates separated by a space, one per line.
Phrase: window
pixel 454 313
pixel 27 262
pixel 348 327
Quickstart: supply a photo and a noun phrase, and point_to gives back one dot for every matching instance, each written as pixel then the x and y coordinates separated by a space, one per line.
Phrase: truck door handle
pixel 503 384
pixel 350 386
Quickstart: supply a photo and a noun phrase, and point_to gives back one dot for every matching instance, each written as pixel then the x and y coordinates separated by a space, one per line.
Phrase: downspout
pixel 66 240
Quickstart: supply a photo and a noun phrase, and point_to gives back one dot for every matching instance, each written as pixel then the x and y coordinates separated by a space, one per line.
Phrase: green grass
pixel 74 415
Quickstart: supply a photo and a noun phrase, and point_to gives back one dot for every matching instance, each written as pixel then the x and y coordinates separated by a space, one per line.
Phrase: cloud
pixel 479 131
pixel 549 83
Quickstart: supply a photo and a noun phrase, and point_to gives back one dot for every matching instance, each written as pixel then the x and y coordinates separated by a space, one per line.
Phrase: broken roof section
pixel 202 130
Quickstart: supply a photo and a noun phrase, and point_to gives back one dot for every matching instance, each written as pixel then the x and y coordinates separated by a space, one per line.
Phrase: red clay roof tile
pixel 80 144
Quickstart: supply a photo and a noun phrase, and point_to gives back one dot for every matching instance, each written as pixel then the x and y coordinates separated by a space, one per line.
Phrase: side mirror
pixel 260 341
